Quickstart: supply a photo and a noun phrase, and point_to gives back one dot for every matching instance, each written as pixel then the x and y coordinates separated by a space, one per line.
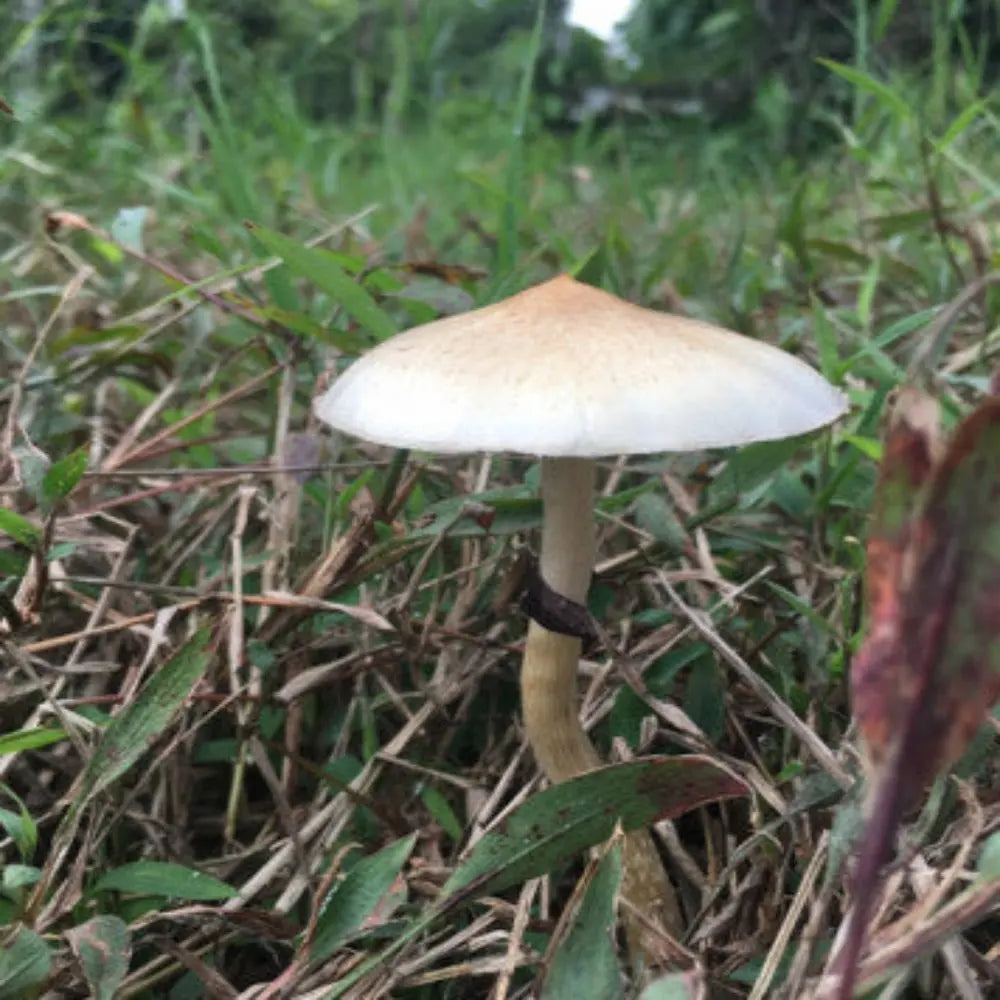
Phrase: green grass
pixel 276 678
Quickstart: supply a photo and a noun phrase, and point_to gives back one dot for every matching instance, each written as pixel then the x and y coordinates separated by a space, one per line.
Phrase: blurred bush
pixel 354 61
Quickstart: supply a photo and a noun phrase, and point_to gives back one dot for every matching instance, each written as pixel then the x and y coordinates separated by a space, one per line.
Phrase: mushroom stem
pixel 549 671
pixel 549 689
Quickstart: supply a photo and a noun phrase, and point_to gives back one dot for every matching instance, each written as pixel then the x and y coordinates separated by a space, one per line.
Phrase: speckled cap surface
pixel 565 369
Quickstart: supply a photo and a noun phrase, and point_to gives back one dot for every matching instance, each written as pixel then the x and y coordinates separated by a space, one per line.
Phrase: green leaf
pixel 25 961
pixel 345 341
pixel 355 898
pixel 705 697
pixel 86 337
pixel 826 339
pixel 655 514
pixel 164 878
pixel 441 812
pixel 675 986
pixel 866 293
pixel 234 173
pixel 988 865
pixel 845 831
pixel 794 225
pixel 19 528
pixel 62 476
pixel 864 82
pixel 868 447
pixel 29 739
pixel 563 821
pixel 961 122
pixel 21 829
pixel 884 14
pixel 321 268
pixel 584 965
pixel 509 229
pixel 502 511
pixel 889 224
pixel 13 563
pixel 111 252
pixel 103 946
pixel 629 709
pixel 556 825
pixel 19 825
pixel 130 733
pixel 750 469
pixel 126 227
pixel 16 877
pixel 490 513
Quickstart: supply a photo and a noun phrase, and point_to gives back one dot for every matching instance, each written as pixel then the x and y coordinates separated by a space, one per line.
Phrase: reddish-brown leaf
pixel 907 462
pixel 950 620
pixel 930 669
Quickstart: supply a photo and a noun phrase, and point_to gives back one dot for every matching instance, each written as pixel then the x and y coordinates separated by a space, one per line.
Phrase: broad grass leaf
pixel 561 822
pixel 13 563
pixel 558 824
pixel 19 826
pixel 655 514
pixel 863 81
pixel 441 812
pixel 827 341
pixel 884 14
pixel 840 250
pixel 30 739
pixel 25 961
pixel 496 513
pixel 322 269
pixel 103 946
pixel 629 709
pixel 705 697
pixel 988 865
pixel 62 476
pixel 19 528
pixel 584 963
pixel 867 446
pixel 960 123
pixel 346 341
pixel 164 878
pixel 130 733
pixel 503 511
pixel 748 472
pixel 354 900
pixel 15 877
pixel 675 986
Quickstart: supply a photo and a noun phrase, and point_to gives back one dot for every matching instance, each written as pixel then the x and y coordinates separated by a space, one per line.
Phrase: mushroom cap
pixel 565 369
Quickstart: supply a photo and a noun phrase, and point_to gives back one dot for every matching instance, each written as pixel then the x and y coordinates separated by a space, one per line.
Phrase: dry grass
pixel 357 682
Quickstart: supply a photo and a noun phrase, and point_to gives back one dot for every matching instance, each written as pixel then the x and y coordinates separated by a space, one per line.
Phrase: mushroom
pixel 568 372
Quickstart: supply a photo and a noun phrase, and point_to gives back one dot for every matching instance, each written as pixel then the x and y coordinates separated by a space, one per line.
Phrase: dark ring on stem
pixel 553 611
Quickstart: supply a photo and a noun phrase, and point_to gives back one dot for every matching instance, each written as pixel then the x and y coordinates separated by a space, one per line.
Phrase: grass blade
pixel 584 963
pixel 321 268
pixel 565 820
pixel 130 733
pixel 354 899
pixel 163 878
